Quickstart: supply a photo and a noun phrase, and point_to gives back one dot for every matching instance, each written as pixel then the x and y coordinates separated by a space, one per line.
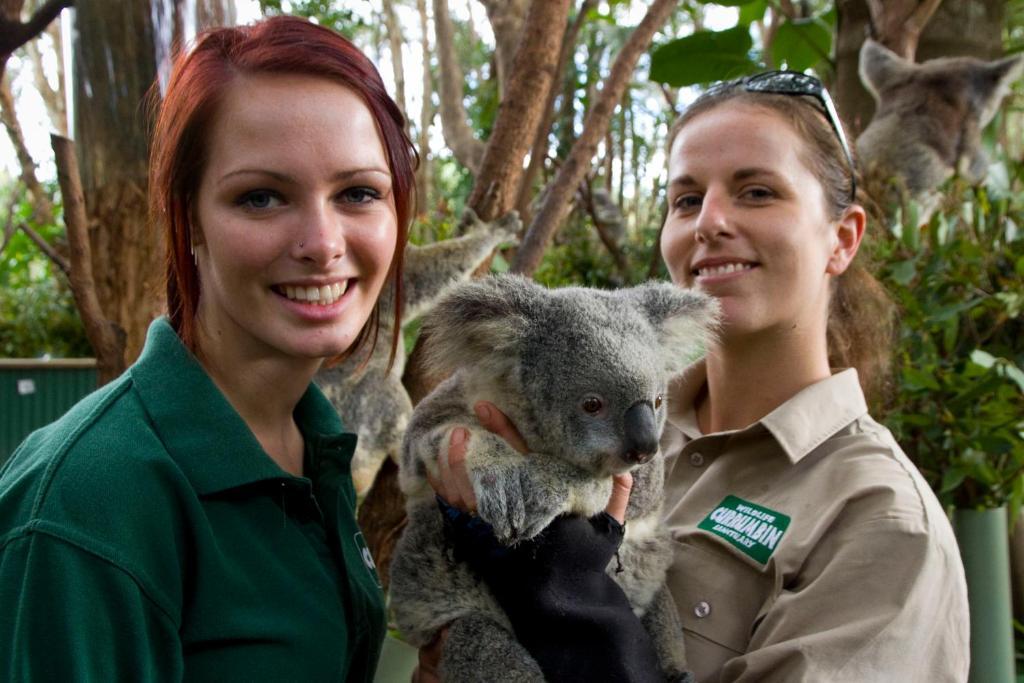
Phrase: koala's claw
pixel 516 502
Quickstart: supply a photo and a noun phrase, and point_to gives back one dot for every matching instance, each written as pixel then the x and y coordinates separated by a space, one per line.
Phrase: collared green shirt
pixel 147 536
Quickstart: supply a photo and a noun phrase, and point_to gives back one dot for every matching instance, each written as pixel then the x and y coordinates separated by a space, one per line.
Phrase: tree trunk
pixel 557 204
pixel 109 116
pixel 521 110
pixel 957 28
pixel 454 122
pixel 424 178
pixel 506 17
pixel 539 151
pixel 395 41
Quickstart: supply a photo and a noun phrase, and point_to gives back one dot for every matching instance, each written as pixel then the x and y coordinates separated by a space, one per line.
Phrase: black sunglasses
pixel 796 83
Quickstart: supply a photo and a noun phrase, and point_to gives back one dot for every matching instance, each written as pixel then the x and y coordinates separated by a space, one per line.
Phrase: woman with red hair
pixel 195 517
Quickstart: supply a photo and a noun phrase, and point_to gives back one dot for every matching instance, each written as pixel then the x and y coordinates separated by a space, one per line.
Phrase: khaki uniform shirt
pixel 809 548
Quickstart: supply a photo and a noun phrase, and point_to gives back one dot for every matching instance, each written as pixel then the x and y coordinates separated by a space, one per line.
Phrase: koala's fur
pixel 536 354
pixel 372 400
pixel 928 121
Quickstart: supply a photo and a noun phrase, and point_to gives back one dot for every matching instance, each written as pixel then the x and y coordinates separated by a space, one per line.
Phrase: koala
pixel 582 374
pixel 928 121
pixel 608 214
pixel 370 397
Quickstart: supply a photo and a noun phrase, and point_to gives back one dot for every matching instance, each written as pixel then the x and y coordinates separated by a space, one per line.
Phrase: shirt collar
pixel 799 425
pixel 817 412
pixel 202 431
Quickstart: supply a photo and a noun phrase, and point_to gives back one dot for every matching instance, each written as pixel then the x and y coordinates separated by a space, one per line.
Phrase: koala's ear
pixel 478 319
pixel 994 83
pixel 880 67
pixel 685 320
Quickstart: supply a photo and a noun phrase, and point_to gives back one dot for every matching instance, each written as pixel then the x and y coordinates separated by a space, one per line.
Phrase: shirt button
pixel 696 459
pixel 701 609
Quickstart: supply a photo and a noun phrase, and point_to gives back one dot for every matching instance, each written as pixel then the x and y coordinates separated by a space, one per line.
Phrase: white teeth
pixel 322 296
pixel 723 269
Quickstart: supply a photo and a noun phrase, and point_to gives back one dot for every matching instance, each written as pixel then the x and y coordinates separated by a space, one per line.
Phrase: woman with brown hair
pixel 807 546
pixel 194 519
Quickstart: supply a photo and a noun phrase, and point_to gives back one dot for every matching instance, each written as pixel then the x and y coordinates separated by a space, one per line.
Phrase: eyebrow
pixel 739 174
pixel 285 178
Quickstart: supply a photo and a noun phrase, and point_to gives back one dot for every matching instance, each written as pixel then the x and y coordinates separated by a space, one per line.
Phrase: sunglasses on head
pixel 796 83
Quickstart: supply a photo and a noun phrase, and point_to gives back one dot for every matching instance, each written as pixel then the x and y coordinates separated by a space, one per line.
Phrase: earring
pixel 192 250
pixel 301 245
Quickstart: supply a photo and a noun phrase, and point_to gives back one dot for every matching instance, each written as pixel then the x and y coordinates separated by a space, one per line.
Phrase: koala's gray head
pixel 952 92
pixel 962 85
pixel 581 372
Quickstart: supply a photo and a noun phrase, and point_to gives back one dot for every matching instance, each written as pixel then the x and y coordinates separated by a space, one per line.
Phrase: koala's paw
pixel 508 226
pixel 516 502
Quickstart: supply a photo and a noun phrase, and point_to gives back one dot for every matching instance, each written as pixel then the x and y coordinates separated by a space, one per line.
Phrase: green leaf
pixel 919 379
pixel 703 57
pixel 800 44
pixel 952 478
pixel 752 11
pixel 911 234
pixel 904 271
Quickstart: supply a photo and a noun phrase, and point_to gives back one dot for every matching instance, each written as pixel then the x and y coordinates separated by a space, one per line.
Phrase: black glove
pixel 570 615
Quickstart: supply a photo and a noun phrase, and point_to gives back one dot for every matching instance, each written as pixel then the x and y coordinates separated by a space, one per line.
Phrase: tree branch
pixel 556 206
pixel 47 249
pixel 14 34
pixel 454 125
pixel 922 15
pixel 42 208
pixel 898 23
pixel 107 340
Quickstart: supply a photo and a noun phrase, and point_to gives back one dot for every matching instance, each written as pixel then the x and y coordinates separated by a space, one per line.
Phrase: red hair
pixel 199 78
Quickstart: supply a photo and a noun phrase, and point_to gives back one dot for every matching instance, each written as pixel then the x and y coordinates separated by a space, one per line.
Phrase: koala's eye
pixel 657 401
pixel 592 404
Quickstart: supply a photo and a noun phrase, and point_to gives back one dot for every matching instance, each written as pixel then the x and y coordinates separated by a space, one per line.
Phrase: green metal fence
pixel 34 393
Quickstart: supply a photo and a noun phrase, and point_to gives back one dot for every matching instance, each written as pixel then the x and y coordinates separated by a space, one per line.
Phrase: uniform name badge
pixel 752 529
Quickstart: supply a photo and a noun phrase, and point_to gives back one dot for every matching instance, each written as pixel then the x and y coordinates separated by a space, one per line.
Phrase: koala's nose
pixel 641 433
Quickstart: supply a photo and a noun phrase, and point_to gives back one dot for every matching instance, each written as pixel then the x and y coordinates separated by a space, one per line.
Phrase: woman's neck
pixel 264 390
pixel 749 377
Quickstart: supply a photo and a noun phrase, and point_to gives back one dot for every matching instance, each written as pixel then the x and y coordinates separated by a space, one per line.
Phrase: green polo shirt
pixel 147 536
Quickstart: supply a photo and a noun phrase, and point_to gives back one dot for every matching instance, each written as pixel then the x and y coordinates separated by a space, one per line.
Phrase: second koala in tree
pixel 372 401
pixel 581 373
pixel 928 121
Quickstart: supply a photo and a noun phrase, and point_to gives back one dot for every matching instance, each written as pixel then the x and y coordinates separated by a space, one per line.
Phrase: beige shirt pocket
pixel 719 597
